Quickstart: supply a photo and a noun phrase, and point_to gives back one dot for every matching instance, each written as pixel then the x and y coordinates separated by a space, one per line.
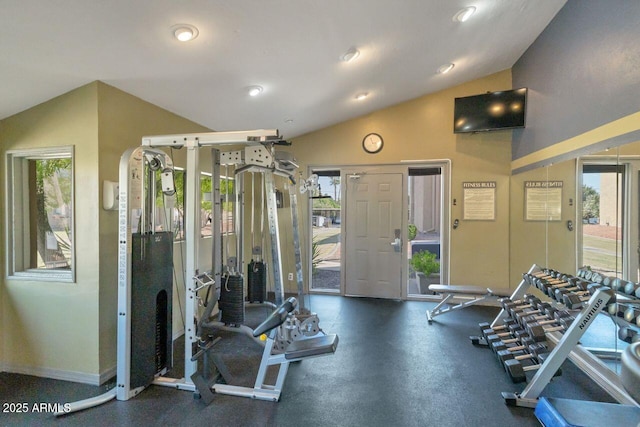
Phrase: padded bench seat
pixel 469 290
pixel 556 412
pixel 475 294
pixel 315 346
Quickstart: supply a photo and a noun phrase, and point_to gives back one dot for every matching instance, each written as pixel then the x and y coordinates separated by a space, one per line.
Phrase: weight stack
pixel 256 281
pixel 151 314
pixel 231 301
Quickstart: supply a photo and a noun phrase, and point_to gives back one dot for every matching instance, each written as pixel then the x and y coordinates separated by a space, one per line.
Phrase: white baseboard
pixel 108 374
pixel 57 374
pixel 177 334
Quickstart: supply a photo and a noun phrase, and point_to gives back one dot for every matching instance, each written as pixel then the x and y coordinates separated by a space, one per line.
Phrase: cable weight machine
pixel 145 262
pixel 246 152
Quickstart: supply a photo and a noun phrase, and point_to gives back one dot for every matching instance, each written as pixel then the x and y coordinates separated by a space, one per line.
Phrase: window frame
pixel 17 242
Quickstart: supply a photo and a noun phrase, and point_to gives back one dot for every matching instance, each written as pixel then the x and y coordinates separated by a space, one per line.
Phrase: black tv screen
pixel 490 111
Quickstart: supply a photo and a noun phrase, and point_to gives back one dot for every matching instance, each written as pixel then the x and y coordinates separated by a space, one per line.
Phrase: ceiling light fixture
pixel 254 90
pixel 185 32
pixel 351 55
pixel 361 96
pixel 464 14
pixel 445 68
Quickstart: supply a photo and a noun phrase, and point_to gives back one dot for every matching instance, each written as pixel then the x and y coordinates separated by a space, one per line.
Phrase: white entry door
pixel 373 262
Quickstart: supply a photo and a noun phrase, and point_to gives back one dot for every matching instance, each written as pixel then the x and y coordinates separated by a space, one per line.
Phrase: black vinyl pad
pixel 316 346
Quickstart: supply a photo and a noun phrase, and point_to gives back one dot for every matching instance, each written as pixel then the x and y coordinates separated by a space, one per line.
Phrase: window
pixel 40 239
pixel 226 186
pixel 603 219
pixel 326 232
pixel 425 186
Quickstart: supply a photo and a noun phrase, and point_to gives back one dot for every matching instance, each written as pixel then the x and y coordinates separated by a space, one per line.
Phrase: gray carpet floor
pixel 391 368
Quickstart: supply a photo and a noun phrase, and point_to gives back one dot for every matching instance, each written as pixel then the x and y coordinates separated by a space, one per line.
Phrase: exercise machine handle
pixel 276 318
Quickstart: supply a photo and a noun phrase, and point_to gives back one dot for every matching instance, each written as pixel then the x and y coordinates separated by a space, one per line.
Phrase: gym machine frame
pixel 566 346
pixel 258 156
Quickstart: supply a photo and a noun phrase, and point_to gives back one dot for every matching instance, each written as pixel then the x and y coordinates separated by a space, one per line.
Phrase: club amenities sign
pixel 479 200
pixel 543 200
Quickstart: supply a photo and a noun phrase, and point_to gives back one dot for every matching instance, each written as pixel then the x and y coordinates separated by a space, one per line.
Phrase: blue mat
pixel 552 412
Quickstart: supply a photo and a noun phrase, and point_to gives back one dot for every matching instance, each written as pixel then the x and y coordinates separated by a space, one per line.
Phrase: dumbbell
pixel 543 284
pixel 523 321
pixel 525 337
pixel 486 326
pixel 616 309
pixel 513 310
pixel 597 278
pixel 499 342
pixel 546 314
pixel 538 331
pixel 486 330
pixel 548 279
pixel 531 304
pixel 576 300
pixel 618 284
pixel 631 288
pixel 627 334
pixel 553 317
pixel 578 286
pixel 522 338
pixel 490 339
pixel 533 350
pixel 544 273
pixel 506 303
pixel 550 288
pixel 625 286
pixel 509 345
pixel 541 308
pixel 582 271
pixel 631 314
pixel 545 320
pixel 518 372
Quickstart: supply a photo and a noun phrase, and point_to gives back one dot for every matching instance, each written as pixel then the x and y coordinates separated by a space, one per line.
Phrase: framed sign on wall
pixel 479 201
pixel 543 200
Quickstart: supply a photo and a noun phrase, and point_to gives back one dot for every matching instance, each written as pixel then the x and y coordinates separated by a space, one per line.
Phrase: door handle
pixel 397 243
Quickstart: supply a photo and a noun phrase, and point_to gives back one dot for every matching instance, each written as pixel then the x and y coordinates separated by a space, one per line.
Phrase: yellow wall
pixel 123 121
pixel 48 327
pixel 423 129
pixel 64 330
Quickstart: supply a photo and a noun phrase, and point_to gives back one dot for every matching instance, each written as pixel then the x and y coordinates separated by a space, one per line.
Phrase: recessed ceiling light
pixel 464 14
pixel 185 32
pixel 445 68
pixel 351 55
pixel 254 90
pixel 361 96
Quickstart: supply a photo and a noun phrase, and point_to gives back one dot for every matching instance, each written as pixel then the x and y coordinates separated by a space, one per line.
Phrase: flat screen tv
pixel 490 111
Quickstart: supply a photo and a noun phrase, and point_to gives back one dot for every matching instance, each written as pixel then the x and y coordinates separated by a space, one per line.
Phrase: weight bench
pixel 322 345
pixel 475 293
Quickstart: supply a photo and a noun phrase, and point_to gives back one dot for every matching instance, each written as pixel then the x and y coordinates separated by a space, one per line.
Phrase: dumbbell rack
pixel 520 291
pixel 566 346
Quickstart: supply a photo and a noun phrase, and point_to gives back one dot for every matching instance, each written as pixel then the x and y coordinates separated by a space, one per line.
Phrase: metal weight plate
pixel 309 326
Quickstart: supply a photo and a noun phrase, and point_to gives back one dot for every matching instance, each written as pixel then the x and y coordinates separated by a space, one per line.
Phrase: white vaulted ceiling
pixel 291 48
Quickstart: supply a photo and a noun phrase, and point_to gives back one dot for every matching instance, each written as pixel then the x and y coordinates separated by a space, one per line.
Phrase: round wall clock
pixel 372 143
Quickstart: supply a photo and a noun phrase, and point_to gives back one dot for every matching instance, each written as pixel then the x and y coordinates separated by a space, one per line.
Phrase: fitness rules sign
pixel 479 200
pixel 543 200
